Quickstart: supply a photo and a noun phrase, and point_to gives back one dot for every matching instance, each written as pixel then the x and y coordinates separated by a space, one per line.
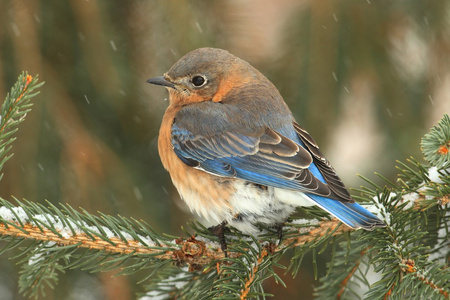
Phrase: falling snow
pixel 15 28
pixel 36 18
pixel 81 36
pixel 113 45
pixel 198 27
pixel 137 193
pixel 335 77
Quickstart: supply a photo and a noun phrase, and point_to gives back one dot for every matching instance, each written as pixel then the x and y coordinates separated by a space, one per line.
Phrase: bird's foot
pixel 219 231
pixel 280 233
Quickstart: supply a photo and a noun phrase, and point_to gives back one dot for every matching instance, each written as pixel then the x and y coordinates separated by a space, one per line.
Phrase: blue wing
pixel 282 155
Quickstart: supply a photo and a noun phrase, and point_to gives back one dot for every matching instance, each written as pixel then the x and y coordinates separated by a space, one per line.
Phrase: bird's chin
pixel 177 95
pixel 179 91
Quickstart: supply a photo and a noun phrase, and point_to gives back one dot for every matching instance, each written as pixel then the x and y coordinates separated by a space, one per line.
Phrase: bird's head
pixel 206 74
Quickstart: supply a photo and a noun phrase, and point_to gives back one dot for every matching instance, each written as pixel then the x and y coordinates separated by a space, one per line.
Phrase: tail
pixel 351 214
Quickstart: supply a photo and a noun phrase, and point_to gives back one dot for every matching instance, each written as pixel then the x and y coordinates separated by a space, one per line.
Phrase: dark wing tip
pixel 375 224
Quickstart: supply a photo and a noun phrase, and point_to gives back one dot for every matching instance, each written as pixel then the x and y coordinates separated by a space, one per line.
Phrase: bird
pixel 236 154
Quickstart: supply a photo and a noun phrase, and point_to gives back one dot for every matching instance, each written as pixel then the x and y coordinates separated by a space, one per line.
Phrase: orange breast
pixel 204 193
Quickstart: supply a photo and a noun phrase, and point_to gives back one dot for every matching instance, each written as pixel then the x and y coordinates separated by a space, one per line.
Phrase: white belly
pixel 247 205
pixel 269 207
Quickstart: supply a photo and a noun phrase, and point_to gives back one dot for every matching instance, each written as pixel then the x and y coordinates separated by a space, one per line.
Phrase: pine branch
pixel 409 259
pixel 346 280
pixel 246 290
pixel 436 144
pixel 83 240
pixel 83 230
pixel 13 112
pixel 65 238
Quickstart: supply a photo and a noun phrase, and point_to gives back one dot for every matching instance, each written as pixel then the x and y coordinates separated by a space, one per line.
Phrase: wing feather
pixel 267 148
pixel 268 159
pixel 334 182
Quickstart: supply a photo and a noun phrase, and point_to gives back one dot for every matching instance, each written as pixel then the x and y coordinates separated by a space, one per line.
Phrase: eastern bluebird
pixel 236 154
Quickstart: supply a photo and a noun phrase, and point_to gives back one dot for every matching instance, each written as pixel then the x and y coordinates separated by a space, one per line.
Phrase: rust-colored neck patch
pixel 232 81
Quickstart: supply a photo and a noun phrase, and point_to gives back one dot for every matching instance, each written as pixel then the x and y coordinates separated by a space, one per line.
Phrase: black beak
pixel 159 80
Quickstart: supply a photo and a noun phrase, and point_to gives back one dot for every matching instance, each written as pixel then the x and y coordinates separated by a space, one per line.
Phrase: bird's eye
pixel 198 80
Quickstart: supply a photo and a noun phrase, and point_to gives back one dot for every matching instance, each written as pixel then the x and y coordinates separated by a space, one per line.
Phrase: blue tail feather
pixel 351 214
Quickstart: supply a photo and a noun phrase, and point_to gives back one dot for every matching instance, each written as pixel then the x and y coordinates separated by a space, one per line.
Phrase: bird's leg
pixel 280 234
pixel 219 231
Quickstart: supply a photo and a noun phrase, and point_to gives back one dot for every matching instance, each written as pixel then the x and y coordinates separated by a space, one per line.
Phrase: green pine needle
pixel 14 109
pixel 436 144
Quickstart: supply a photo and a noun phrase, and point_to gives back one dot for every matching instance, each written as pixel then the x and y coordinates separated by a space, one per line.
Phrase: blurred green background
pixel 366 78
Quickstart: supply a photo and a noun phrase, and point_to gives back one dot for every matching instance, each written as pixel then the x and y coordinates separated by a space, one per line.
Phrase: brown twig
pixel 190 251
pixel 387 296
pixel 246 289
pixel 315 232
pixel 27 81
pixel 347 278
pixel 409 266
